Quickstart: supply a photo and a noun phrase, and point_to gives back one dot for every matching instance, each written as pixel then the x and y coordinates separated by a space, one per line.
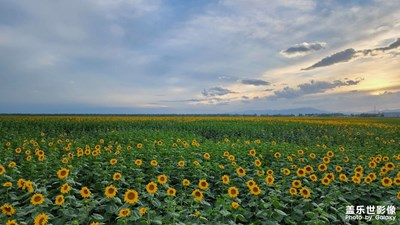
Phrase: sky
pixel 222 56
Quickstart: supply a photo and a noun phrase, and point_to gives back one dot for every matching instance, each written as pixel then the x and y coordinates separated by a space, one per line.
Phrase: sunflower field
pixel 198 170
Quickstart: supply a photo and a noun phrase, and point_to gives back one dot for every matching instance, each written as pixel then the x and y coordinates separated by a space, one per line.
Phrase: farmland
pixel 197 170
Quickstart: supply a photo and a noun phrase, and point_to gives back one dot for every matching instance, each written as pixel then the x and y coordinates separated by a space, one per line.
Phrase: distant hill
pixel 295 111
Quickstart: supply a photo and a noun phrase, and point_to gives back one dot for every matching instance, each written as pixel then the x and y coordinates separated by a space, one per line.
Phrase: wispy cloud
pixel 349 54
pixel 216 91
pixel 255 82
pixel 312 87
pixel 303 49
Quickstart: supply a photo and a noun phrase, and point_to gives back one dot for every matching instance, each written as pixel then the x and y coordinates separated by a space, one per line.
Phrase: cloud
pixel 339 57
pixel 311 88
pixel 216 91
pixel 349 54
pixel 303 49
pixel 255 82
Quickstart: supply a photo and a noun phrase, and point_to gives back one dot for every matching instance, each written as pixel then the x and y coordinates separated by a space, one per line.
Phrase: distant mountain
pixel 295 111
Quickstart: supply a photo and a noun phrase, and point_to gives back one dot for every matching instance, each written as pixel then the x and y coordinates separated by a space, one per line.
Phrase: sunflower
pixel 21 184
pixel 305 192
pixel 286 171
pixel 260 173
pixel 131 196
pixel 372 176
pixel 171 191
pixel 293 191
pixel 326 159
pixel 257 162
pixel 367 180
pixel 7 184
pixel 385 158
pixel 59 199
pixel 390 166
pixel 240 171
pixel 300 152
pixel 330 154
pixel 231 157
pixel 138 162
pixel 255 190
pixel 37 199
pixel 398 195
pixel 359 169
pixel 269 180
pixel 113 161
pixel 313 177
pixel 62 173
pixel 358 174
pixel 142 210
pixel 124 212
pixel 65 188
pixel 162 179
pixel 372 164
pixel 233 192
pixel 110 191
pixel 117 176
pixel 151 187
pixel 41 219
pixel 346 159
pixel 139 145
pixel 225 179
pixel 277 155
pixel 356 179
pixel 386 182
pixel 94 223
pixel 11 222
pixel 226 153
pixel 207 155
pixel 343 177
pixel 185 182
pixel 85 192
pixel 309 169
pixel 312 155
pixel 12 164
pixel 64 160
pixel 338 169
pixel 196 163
pixel 396 181
pixel 322 167
pixel 296 183
pixel 198 195
pixel 203 185
pixel 7 209
pixel 301 172
pixel 181 163
pixel 252 152
pixel 153 162
pixel 250 183
pixel 330 176
pixel 235 205
pixel 326 181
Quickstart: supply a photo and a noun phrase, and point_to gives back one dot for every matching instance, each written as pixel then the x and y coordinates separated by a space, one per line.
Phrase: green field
pixel 198 170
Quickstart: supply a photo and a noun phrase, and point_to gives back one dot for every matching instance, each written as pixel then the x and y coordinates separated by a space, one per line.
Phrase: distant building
pixel 391 114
